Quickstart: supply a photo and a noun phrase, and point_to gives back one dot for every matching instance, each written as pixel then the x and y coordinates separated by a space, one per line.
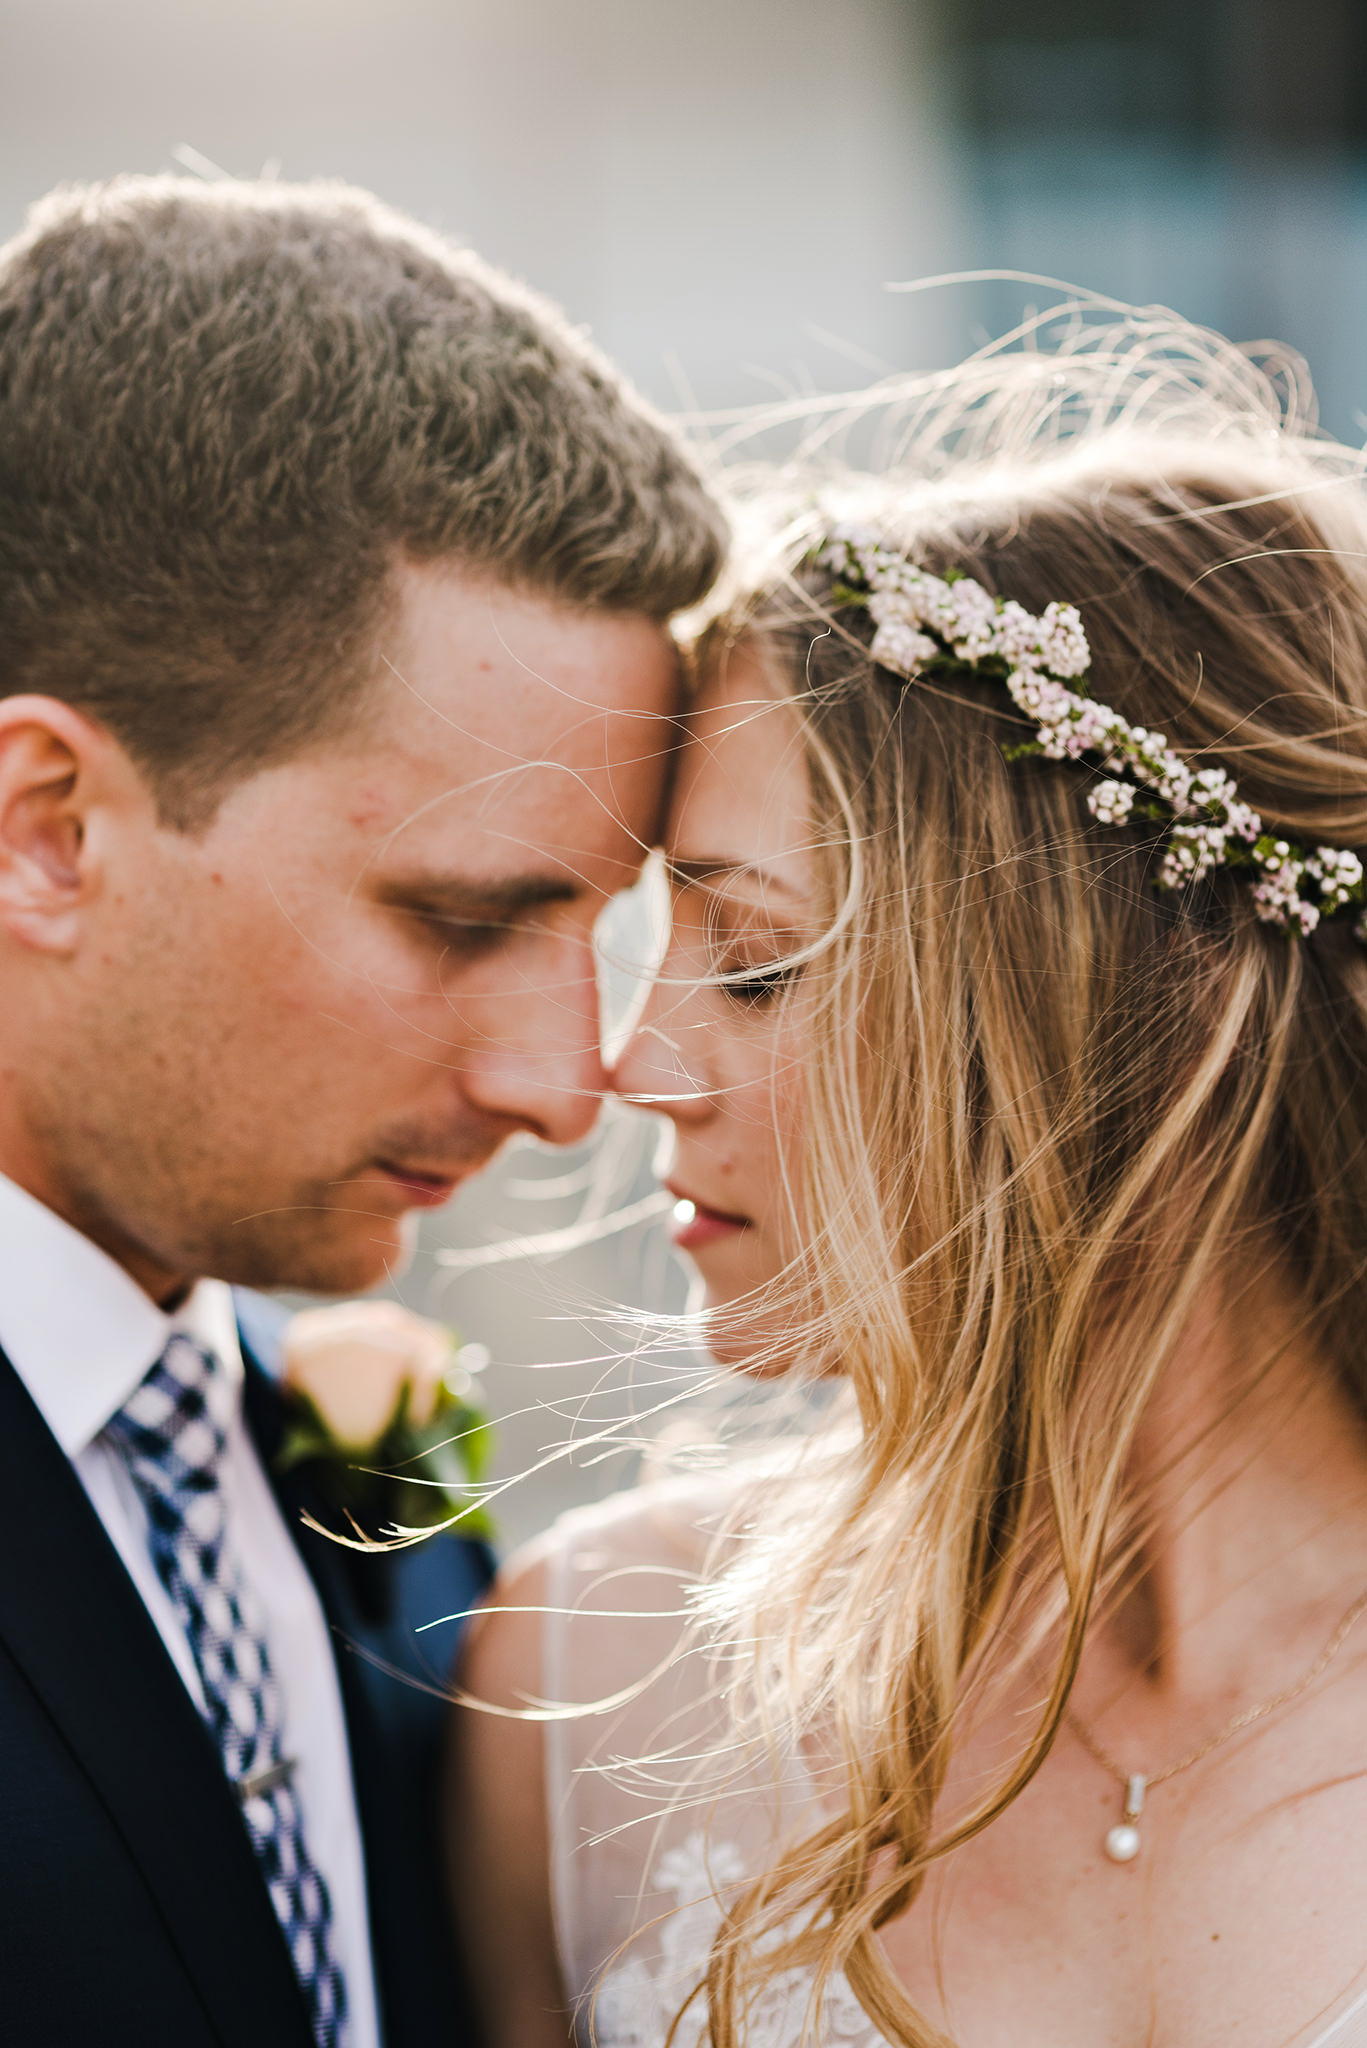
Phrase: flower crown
pixel 927 623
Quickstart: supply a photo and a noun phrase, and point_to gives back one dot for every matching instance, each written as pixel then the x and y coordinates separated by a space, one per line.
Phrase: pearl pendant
pixel 1122 1843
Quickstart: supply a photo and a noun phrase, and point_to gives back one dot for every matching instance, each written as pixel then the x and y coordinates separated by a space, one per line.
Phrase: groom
pixel 334 574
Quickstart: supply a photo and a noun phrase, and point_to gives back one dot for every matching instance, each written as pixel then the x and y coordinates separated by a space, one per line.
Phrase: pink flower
pixel 353 1362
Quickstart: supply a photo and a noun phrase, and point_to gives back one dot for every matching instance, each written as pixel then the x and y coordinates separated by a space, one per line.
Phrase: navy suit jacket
pixel 132 1911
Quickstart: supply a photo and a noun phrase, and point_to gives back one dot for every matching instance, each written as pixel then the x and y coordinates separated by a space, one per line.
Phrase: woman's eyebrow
pixel 705 874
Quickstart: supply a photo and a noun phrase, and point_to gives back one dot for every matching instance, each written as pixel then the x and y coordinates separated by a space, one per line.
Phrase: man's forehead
pixel 519 669
pixel 449 837
pixel 423 806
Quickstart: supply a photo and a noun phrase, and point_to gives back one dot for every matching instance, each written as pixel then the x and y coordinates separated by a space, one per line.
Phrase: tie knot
pixel 174 1420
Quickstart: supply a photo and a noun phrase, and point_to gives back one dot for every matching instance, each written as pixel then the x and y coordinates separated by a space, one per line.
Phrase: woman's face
pixel 720 1058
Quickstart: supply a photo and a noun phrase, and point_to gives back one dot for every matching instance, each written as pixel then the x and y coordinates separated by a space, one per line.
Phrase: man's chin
pixel 355 1254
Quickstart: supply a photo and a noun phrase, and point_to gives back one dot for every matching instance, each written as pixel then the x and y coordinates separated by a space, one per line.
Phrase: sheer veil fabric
pixel 654 1813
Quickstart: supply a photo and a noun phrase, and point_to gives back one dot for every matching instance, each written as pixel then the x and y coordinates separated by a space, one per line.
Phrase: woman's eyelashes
pixel 750 985
pixel 753 963
pixel 753 960
pixel 742 954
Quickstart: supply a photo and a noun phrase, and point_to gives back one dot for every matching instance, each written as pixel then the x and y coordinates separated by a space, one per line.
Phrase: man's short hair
pixel 227 409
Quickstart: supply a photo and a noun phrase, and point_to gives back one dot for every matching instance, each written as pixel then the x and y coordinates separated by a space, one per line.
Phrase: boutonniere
pixel 384 1412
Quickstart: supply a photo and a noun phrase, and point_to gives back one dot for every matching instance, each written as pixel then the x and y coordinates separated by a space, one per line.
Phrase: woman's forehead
pixel 742 802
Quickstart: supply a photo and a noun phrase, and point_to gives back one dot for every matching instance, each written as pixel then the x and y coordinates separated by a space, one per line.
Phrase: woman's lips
pixel 695 1225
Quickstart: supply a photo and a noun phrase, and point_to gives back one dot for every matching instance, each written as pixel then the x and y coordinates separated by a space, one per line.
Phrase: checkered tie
pixel 171 1433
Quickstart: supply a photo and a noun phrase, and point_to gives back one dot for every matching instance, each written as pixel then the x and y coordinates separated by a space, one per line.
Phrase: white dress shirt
pixel 81 1335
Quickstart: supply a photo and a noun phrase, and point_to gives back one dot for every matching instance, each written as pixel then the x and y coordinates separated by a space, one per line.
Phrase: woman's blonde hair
pixel 1049 1109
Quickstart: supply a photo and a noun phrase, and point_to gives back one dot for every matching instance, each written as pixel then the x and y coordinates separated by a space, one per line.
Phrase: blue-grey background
pixel 722 191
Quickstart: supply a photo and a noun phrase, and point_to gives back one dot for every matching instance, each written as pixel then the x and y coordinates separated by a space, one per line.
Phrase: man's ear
pixel 59 775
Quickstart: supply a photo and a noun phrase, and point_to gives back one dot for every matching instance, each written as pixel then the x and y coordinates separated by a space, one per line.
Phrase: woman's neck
pixel 1254 1480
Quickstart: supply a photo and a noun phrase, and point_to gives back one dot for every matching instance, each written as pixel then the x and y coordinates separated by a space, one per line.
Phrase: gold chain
pixel 1238 1724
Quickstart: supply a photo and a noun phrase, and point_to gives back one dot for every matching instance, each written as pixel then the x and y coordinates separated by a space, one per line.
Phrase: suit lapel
pixel 74 1623
pixel 373 1604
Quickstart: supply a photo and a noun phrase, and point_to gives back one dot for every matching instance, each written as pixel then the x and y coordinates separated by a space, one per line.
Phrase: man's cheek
pixel 347 973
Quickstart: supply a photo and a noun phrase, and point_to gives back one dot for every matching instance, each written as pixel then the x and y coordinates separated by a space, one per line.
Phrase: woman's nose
pixel 663 1065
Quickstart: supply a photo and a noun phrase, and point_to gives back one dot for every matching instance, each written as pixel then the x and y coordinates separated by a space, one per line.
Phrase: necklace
pixel 1122 1842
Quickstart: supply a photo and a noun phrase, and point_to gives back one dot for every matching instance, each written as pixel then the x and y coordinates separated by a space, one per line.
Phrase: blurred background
pixel 723 193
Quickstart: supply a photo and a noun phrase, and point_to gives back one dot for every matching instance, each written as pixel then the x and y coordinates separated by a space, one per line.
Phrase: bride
pixel 1014 1039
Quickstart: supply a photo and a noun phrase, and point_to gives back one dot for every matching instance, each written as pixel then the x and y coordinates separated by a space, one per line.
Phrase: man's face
pixel 283 1036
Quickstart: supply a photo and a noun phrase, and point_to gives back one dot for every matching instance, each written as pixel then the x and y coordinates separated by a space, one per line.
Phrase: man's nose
pixel 535 1059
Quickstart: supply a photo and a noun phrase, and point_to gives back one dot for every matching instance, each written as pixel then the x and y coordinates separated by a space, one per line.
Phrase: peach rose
pixel 354 1360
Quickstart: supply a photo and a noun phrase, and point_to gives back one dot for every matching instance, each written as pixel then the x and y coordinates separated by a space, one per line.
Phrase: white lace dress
pixel 647 1836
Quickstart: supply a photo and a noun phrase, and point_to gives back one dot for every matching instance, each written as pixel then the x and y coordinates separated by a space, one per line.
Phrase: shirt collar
pixel 78 1329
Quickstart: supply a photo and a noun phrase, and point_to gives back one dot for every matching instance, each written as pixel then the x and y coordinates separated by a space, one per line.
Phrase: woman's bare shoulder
pixel 671 1523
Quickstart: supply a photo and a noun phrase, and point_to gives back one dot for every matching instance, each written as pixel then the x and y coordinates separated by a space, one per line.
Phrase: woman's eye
pixel 754 985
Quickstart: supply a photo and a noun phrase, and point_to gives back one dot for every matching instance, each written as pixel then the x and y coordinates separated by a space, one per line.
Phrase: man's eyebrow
pixel 468 899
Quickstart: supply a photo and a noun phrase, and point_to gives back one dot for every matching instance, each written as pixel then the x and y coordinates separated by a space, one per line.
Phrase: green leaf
pixel 305 1437
pixel 414 1477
